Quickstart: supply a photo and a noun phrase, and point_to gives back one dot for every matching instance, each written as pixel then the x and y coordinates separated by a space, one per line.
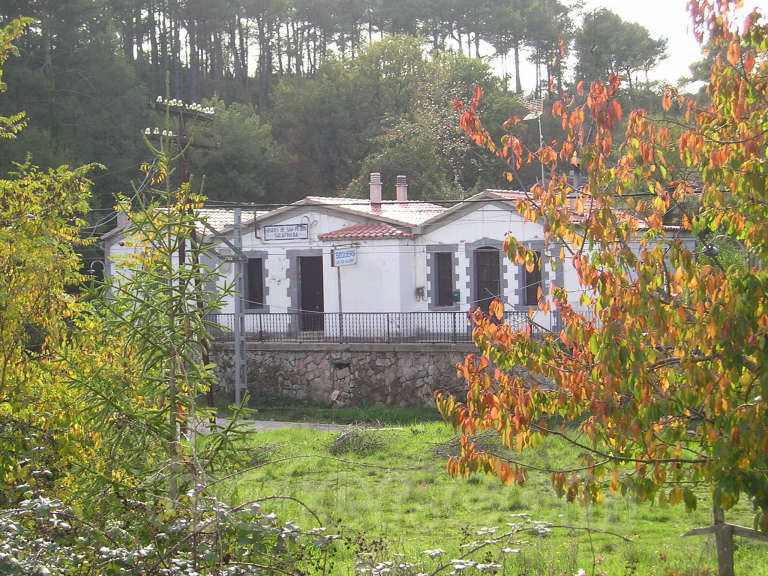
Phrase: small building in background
pixel 307 262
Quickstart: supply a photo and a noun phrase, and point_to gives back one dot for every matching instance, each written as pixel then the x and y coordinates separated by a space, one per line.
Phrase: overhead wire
pixel 112 214
pixel 360 201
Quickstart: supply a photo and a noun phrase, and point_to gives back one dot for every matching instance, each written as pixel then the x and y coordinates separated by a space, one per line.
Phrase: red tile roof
pixel 366 232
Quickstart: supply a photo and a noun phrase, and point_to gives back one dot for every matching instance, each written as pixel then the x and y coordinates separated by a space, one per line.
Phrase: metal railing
pixel 384 327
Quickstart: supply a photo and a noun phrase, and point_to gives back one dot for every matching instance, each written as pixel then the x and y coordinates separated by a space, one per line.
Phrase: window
pixel 533 282
pixel 254 283
pixel 443 262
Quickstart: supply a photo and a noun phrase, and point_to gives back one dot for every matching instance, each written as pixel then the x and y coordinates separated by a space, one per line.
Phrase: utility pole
pixel 535 107
pixel 184 112
pixel 241 366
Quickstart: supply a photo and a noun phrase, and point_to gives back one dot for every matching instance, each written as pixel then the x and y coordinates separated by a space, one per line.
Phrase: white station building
pixel 319 256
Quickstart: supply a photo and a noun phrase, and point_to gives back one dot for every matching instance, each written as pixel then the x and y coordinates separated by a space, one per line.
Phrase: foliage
pixel 40 217
pixel 662 362
pixel 82 102
pixel 424 144
pixel 44 536
pixel 323 122
pixel 245 162
pixel 107 466
pixel 115 432
pixel 606 44
pixel 144 406
pixel 549 32
pixel 10 126
pixel 336 79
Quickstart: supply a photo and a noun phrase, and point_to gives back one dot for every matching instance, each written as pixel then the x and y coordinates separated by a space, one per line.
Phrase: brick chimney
pixel 401 188
pixel 376 190
pixel 122 216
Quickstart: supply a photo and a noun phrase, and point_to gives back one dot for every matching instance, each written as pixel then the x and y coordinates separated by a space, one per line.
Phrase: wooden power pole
pixel 196 113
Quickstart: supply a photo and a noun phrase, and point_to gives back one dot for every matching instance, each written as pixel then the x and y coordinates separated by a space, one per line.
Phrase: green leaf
pixel 594 345
pixel 690 499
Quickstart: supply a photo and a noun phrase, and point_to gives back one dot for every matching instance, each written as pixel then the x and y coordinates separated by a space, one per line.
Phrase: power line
pixel 112 213
pixel 342 201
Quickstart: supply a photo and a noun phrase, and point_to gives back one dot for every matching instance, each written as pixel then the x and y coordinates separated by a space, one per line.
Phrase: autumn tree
pixel 607 44
pixel 660 370
pixel 41 212
pixel 107 465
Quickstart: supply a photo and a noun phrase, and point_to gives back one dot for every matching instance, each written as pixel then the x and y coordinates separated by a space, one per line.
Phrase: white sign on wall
pixel 286 232
pixel 345 256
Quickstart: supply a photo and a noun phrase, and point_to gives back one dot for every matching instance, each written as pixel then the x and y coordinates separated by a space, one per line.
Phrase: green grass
pixel 296 411
pixel 392 495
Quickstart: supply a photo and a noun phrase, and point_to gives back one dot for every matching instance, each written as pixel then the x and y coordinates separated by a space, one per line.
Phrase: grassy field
pixel 387 493
pixel 296 411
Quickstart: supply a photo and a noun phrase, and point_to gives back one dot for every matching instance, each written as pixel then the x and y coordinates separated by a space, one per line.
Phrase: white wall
pixel 490 221
pixel 388 272
pixel 495 221
pixel 279 277
pixel 380 281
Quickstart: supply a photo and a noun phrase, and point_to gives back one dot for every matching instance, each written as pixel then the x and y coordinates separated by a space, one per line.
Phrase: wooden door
pixel 311 292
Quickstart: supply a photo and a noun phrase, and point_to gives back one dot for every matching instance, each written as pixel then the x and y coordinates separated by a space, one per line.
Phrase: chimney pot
pixel 122 217
pixel 401 188
pixel 376 189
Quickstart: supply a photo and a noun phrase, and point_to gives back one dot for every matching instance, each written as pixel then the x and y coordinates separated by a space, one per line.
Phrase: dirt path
pixel 264 425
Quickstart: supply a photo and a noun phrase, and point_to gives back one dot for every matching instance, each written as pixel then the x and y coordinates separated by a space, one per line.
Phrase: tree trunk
pixel 152 26
pixel 298 47
pixel 724 543
pixel 233 48
pixel 268 48
pixel 176 49
pixel 138 34
pixel 128 38
pixel 242 33
pixel 194 60
pixel 311 54
pixel 164 40
pixel 518 85
pixel 261 98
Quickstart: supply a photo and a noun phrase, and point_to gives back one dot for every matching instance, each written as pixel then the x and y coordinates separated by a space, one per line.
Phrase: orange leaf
pixel 496 309
pixel 734 53
pixel 617 109
pixel 749 61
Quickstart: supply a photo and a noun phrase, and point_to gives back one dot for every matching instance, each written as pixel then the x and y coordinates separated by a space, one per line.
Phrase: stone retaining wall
pixel 347 374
